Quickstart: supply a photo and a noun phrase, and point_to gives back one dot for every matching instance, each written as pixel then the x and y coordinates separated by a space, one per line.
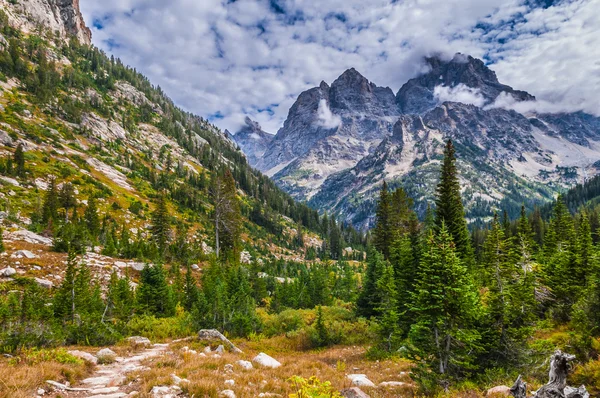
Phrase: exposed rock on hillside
pixel 60 16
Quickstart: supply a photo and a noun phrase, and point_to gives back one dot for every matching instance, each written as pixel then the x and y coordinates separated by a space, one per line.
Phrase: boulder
pixel 214 334
pixel 25 253
pixel 86 356
pixel 246 365
pixel 8 271
pixel 360 380
pixel 29 237
pixel 498 391
pixel 245 257
pixel 353 392
pixel 139 340
pixel 227 394
pixel 392 384
pixel 44 283
pixel 106 355
pixel 230 382
pixel 266 361
pixel 165 391
pixel 220 349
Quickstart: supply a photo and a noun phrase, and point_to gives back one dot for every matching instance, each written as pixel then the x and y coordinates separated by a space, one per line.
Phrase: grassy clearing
pixel 21 376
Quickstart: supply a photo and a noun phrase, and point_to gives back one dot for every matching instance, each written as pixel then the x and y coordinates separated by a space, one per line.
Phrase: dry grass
pixel 207 375
pixel 22 380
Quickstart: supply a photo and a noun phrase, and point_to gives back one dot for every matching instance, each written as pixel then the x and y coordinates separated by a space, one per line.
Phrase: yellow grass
pixel 207 375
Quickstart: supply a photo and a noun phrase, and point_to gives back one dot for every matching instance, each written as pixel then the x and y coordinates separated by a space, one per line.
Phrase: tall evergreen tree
pixel 388 317
pixel 19 161
pixel 369 299
pixel 91 218
pixel 161 224
pixel 382 238
pixel 445 306
pixel 226 214
pixel 51 203
pixel 449 206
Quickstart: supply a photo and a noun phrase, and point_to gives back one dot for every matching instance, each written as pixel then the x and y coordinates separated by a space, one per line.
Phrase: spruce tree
pixel 153 295
pixel 51 203
pixel 19 161
pixel 382 238
pixel 92 221
pixel 389 317
pixel 446 307
pixel 449 206
pixel 190 290
pixel 227 218
pixel 161 224
pixel 369 299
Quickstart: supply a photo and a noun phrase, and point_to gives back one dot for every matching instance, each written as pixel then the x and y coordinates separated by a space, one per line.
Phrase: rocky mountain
pixel 252 139
pixel 339 143
pixel 62 17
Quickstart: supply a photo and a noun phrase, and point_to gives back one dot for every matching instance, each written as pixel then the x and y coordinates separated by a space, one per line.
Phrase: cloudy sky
pixel 227 59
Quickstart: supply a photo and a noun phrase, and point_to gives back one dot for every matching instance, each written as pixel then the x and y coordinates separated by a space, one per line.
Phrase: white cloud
pixel 326 118
pixel 459 93
pixel 507 101
pixel 253 57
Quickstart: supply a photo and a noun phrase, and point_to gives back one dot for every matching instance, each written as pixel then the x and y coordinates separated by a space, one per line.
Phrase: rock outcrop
pixel 253 140
pixel 59 16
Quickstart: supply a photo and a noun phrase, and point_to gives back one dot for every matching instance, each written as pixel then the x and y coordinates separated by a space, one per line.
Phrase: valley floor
pixel 185 368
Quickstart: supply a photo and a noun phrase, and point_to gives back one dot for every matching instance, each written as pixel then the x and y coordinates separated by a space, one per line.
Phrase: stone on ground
pixel 392 384
pixel 498 391
pixel 139 340
pixel 360 380
pixel 86 356
pixel 227 394
pixel 8 271
pixel 247 365
pixel 266 361
pixel 106 355
pixel 353 392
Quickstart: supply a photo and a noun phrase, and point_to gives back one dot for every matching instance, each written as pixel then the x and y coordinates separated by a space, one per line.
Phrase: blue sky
pixel 227 59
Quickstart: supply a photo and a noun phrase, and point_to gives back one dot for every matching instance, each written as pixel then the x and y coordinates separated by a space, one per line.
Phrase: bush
pixel 161 328
pixel 312 388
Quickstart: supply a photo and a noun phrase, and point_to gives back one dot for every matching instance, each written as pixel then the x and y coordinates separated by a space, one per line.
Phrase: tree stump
pixel 519 389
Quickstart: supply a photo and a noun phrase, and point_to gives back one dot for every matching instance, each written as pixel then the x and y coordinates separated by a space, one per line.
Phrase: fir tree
pixel 445 307
pixel 226 214
pixel 92 221
pixel 51 203
pixel 153 295
pixel 388 309
pixel 382 238
pixel 190 290
pixel 370 296
pixel 449 206
pixel 161 224
pixel 19 161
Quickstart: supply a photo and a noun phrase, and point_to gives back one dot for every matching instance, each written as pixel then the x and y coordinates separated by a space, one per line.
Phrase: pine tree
pixel 382 238
pixel 92 221
pixel 335 240
pixel 51 203
pixel 226 214
pixel 388 309
pixel 153 295
pixel 369 298
pixel 67 198
pixel 449 206
pixel 190 289
pixel 64 299
pixel 445 307
pixel 161 224
pixel 19 161
pixel 322 338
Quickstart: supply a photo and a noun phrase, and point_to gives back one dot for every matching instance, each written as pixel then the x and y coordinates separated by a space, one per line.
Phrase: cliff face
pixel 59 16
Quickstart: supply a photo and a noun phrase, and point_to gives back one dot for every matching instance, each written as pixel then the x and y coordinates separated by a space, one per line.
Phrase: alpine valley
pixel 341 141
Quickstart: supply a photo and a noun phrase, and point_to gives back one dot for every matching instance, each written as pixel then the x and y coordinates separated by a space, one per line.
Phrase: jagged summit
pixel 340 141
pixel 417 95
pixel 252 139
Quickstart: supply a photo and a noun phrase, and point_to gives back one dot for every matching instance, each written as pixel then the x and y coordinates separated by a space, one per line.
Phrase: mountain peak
pixel 354 92
pixel 417 95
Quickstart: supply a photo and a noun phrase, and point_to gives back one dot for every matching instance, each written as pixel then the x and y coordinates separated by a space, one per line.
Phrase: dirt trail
pixel 107 381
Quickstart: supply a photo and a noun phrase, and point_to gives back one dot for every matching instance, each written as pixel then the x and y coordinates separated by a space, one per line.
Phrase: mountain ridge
pixel 537 154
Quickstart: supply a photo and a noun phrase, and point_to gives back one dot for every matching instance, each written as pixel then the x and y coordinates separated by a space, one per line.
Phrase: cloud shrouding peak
pixel 227 59
pixel 326 118
pixel 459 93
